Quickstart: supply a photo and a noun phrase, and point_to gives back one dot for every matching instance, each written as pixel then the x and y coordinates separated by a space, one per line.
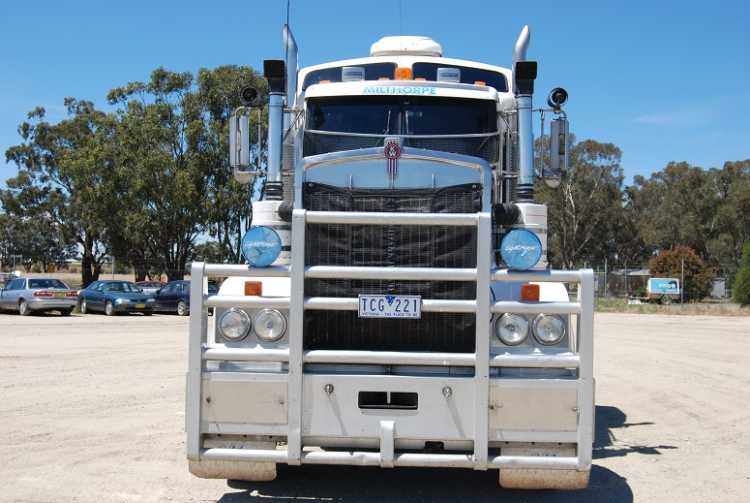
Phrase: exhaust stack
pixel 524 74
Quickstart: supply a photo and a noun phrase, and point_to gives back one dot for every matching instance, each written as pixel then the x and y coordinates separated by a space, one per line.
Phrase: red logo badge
pixel 392 151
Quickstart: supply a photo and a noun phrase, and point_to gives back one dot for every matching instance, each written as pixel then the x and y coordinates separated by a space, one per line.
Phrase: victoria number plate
pixel 390 306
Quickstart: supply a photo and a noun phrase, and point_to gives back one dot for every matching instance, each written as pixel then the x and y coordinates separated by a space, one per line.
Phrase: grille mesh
pixel 391 245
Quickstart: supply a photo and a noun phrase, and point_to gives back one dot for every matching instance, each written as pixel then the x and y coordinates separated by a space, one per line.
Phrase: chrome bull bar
pixel 481 359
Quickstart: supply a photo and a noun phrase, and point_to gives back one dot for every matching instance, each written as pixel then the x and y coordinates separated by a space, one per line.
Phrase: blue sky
pixel 663 80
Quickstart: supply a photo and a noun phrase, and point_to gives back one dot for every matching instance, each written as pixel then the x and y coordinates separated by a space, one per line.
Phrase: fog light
pixel 548 329
pixel 512 329
pixel 234 324
pixel 269 325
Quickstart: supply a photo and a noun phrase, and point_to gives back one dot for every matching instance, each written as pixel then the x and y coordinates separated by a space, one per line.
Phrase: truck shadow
pixel 606 445
pixel 368 484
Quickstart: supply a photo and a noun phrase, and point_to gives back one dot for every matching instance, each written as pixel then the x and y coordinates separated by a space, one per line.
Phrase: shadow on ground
pixel 606 445
pixel 367 484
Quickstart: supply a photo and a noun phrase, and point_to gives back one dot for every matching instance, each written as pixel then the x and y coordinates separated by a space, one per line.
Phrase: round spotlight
pixel 248 95
pixel 557 97
pixel 261 246
pixel 548 329
pixel 270 325
pixel 521 249
pixel 511 329
pixel 235 324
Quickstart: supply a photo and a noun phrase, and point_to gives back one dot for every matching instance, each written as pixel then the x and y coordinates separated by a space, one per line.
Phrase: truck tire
pixel 565 480
pixel 23 308
pixel 235 471
pixel 665 300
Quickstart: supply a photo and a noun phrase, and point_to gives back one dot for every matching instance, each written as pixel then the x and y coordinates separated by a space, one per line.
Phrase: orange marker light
pixel 324 81
pixel 403 73
pixel 529 293
pixel 253 288
pixel 480 83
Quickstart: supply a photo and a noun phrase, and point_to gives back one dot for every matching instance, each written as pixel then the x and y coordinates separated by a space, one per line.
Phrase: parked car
pixel 27 295
pixel 112 297
pixel 175 297
pixel 150 287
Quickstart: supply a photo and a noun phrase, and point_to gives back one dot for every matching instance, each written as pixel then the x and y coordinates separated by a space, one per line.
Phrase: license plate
pixel 140 306
pixel 390 306
pixel 59 294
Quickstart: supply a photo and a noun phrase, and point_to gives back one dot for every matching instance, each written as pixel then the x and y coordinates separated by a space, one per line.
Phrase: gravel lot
pixel 92 410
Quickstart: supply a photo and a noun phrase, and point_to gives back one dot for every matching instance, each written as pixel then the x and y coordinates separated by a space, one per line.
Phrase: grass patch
pixel 689 308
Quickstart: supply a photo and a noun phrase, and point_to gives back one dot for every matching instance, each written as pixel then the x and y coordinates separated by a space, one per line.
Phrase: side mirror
pixel 239 145
pixel 558 152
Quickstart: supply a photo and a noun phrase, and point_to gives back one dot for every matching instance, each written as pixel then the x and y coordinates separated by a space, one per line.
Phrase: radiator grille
pixel 394 245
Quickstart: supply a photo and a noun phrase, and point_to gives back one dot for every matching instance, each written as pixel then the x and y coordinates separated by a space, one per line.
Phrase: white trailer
pixel 397 308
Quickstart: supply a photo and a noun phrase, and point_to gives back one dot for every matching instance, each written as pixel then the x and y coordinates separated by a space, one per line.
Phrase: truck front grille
pixel 384 246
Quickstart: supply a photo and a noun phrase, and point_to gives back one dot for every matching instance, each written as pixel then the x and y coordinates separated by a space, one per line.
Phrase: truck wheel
pixel 82 307
pixel 182 309
pixel 109 309
pixel 235 472
pixel 665 300
pixel 565 480
pixel 23 308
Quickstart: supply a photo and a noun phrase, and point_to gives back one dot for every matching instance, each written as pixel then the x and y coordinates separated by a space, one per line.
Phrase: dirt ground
pixel 91 410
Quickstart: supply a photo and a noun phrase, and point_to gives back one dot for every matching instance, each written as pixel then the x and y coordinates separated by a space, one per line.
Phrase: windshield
pixel 459 125
pixel 122 286
pixel 46 283
pixel 399 115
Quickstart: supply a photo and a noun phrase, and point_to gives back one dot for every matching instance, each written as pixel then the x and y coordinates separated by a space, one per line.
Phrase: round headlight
pixel 234 324
pixel 269 325
pixel 548 329
pixel 512 329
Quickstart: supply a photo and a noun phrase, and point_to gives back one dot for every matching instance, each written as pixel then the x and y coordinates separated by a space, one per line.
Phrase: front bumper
pixel 132 307
pixel 520 411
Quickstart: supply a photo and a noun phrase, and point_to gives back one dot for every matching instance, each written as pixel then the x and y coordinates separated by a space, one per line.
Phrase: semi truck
pixel 396 307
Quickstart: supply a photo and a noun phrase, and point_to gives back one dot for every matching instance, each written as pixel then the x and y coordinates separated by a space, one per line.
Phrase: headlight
pixel 548 329
pixel 235 324
pixel 512 329
pixel 270 325
pixel 121 301
pixel 150 300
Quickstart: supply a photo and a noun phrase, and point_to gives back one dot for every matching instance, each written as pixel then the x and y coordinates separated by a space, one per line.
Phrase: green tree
pixel 227 202
pixel 682 259
pixel 585 211
pixel 161 181
pixel 63 177
pixel 741 286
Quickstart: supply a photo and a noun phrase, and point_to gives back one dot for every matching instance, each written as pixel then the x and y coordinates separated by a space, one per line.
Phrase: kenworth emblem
pixel 392 151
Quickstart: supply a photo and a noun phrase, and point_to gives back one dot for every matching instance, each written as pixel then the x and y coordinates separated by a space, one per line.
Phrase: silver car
pixel 27 295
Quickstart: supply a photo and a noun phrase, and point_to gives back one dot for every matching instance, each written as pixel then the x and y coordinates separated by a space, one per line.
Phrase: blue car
pixel 113 297
pixel 174 297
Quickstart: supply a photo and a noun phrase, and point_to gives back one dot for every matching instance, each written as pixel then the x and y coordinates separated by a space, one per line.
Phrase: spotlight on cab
pixel 557 97
pixel 248 95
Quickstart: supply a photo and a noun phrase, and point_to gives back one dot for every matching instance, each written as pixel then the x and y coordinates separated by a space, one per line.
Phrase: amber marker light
pixel 403 73
pixel 253 288
pixel 530 293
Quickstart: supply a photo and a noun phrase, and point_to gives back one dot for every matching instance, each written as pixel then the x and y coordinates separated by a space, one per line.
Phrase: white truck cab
pixel 396 308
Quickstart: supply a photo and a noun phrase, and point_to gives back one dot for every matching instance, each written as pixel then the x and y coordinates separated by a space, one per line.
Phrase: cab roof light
pixel 403 73
pixel 530 292
pixel 253 288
